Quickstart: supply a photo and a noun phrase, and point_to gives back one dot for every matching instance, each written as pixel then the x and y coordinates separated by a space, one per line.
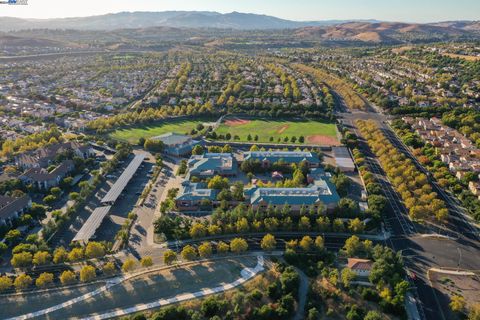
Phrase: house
pixel 11 208
pixel 193 195
pixel 267 158
pixel 44 180
pixel 361 267
pixel 177 144
pixel 211 164
pixel 43 157
pixel 474 187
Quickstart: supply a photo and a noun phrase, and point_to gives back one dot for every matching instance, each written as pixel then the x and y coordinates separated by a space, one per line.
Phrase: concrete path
pixel 302 295
pixel 246 274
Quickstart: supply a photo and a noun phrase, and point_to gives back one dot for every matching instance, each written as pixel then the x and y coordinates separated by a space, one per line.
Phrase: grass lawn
pixel 314 132
pixel 133 134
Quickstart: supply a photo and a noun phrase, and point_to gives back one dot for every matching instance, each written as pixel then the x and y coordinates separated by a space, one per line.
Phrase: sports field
pixel 133 134
pixel 314 132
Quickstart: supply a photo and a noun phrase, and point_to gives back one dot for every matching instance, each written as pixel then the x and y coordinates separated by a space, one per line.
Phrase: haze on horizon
pixel 301 10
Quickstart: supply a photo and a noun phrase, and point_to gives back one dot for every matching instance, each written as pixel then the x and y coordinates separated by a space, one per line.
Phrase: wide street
pixel 454 245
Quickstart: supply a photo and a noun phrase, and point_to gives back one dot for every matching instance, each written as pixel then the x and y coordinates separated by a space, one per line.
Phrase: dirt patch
pixel 323 140
pixel 282 129
pixel 236 122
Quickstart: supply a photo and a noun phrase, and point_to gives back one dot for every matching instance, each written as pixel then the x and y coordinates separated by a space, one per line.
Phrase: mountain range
pixel 179 19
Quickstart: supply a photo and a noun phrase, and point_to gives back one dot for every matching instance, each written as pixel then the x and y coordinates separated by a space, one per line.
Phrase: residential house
pixel 361 267
pixel 44 180
pixel 12 208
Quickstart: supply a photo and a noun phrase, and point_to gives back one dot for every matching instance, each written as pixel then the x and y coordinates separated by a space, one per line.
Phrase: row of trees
pixel 409 182
pixel 31 142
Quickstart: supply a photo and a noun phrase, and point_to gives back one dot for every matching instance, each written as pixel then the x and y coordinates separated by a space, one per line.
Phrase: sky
pixel 302 10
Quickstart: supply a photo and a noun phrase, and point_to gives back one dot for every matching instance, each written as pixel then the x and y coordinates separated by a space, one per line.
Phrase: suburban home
pixel 361 267
pixel 177 144
pixel 12 208
pixel 211 164
pixel 267 158
pixel 43 157
pixel 44 180
pixel 192 195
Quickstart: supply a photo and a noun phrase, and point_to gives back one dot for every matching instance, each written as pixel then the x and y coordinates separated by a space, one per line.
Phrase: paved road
pixel 461 250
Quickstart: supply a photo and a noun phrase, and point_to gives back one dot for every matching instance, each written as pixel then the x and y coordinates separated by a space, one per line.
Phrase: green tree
pixel 352 246
pixel 129 265
pixel 205 250
pixel 22 282
pixel 457 303
pixel 347 276
pixel 60 255
pixel 189 253
pixel 21 260
pixel 319 243
pixel 169 257
pixel 109 268
pixel 222 247
pixel 44 280
pixel 94 250
pixel 41 258
pixel 68 277
pixel 268 242
pixel 238 245
pixel 146 261
pixel 306 243
pixel 198 150
pixel 87 273
pixel 5 283
pixel 75 255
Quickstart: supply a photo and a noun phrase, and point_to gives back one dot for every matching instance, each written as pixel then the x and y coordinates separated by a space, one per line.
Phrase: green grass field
pixel 314 132
pixel 133 134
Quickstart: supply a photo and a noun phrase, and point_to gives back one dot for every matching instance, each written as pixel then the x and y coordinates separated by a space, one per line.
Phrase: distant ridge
pixel 178 19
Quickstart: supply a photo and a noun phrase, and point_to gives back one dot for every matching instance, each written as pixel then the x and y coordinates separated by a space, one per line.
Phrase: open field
pixel 147 131
pixel 314 132
pixel 462 56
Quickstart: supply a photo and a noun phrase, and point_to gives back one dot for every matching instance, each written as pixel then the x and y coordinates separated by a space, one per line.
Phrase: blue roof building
pixel 192 194
pixel 211 164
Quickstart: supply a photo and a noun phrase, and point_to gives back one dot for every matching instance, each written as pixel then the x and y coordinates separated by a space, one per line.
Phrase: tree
pixel 5 283
pixel 49 199
pixel 205 250
pixel 356 226
pixel 254 148
pixel 347 276
pixel 242 225
pixel 129 265
pixel 68 277
pixel 268 242
pixel 352 246
pixel 60 255
pixel 44 280
pixel 373 315
pixel 222 247
pixel 75 255
pixel 457 303
pixel 198 230
pixel 3 248
pixel 238 245
pixel 319 243
pixel 56 192
pixel 109 268
pixel 94 250
pixel 87 273
pixel 12 236
pixel 306 243
pixel 169 257
pixel 188 253
pixel 153 145
pixel 198 150
pixel 22 282
pixel 21 260
pixel 218 183
pixel 146 261
pixel 41 258
pixel 304 224
pixel 474 313
pixel 74 196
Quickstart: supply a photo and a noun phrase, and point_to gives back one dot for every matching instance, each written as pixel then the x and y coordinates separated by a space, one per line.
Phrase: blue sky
pixel 391 10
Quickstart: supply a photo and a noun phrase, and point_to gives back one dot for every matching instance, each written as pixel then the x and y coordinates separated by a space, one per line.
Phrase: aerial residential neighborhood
pixel 242 160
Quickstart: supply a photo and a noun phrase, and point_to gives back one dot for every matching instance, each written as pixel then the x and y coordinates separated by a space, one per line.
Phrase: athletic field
pixel 314 132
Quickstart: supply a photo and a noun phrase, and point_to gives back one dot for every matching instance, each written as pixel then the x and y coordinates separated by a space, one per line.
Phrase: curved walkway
pixel 246 274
